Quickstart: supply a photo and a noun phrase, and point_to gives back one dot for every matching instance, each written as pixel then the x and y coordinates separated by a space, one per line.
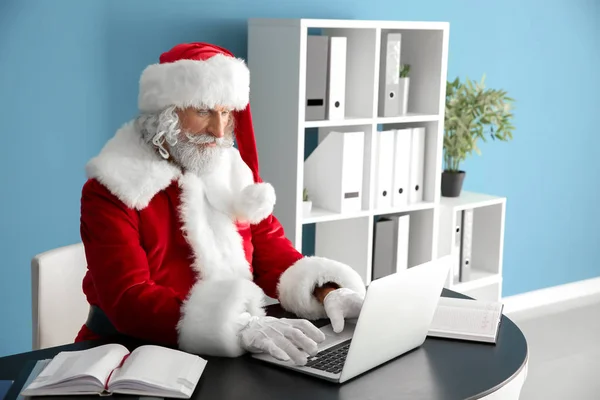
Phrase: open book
pixel 466 319
pixel 146 371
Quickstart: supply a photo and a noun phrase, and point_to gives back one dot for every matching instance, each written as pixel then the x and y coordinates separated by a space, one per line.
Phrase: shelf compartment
pixel 360 74
pixel 420 235
pixel 433 152
pixel 423 50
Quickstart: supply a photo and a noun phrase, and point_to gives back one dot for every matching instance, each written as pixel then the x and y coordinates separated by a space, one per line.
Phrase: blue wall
pixel 68 79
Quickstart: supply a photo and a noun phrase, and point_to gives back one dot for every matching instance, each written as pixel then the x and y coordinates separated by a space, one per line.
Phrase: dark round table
pixel 439 369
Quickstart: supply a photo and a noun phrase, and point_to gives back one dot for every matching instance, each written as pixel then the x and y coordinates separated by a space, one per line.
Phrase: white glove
pixel 340 304
pixel 282 338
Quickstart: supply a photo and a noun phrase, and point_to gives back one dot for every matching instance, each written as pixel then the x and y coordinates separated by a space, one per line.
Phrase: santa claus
pixel 179 235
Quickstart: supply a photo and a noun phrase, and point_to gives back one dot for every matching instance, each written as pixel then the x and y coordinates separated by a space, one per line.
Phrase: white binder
pixel 391 93
pixel 390 254
pixel 466 245
pixel 456 247
pixel 384 167
pixel 402 143
pixel 333 172
pixel 316 77
pixel 336 76
pixel 417 164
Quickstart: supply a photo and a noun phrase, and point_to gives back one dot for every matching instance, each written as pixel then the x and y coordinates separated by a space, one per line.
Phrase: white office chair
pixel 59 307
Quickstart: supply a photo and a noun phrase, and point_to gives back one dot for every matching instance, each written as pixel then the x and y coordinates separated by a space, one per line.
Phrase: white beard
pixel 192 154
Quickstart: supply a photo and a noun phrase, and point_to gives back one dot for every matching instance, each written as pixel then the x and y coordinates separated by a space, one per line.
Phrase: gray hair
pixel 156 128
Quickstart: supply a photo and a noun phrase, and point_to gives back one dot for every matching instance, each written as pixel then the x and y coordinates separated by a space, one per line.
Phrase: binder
pixel 417 164
pixel 456 244
pixel 316 77
pixel 466 245
pixel 384 167
pixel 333 172
pixel 390 254
pixel 336 76
pixel 402 143
pixel 391 93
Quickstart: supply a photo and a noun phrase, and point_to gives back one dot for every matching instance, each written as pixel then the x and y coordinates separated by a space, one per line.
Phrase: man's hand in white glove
pixel 282 338
pixel 340 304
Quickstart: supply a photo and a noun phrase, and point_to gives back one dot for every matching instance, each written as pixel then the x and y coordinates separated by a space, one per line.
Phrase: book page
pixel 475 320
pixel 67 366
pixel 158 367
pixel 471 304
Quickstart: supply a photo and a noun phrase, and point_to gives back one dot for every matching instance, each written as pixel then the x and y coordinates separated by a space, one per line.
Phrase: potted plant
pixel 472 113
pixel 306 202
pixel 403 88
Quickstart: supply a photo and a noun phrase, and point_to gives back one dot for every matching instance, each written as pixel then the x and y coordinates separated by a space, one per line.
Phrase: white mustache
pixel 205 138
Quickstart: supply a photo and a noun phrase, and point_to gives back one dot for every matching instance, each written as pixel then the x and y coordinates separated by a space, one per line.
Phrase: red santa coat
pixel 175 258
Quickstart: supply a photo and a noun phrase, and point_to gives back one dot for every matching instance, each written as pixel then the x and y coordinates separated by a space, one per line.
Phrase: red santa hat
pixel 203 75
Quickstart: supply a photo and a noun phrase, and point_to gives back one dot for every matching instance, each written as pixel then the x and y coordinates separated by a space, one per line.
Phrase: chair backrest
pixel 59 307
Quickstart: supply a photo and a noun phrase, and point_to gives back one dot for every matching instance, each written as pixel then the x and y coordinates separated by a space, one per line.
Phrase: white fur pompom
pixel 255 202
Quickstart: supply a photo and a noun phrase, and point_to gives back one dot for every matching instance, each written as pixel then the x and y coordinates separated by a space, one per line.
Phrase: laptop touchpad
pixel 332 338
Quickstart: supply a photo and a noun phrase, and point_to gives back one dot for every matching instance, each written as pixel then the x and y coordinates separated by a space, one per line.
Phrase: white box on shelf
pixel 333 172
pixel 316 77
pixel 336 95
pixel 384 168
pixel 417 164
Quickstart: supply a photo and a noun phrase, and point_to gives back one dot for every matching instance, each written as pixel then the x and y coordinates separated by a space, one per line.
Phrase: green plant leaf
pixel 472 113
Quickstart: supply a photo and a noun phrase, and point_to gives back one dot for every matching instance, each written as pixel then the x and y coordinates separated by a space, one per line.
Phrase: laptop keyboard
pixel 331 360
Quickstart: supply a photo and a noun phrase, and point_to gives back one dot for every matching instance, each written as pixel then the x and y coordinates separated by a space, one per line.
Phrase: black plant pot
pixel 452 183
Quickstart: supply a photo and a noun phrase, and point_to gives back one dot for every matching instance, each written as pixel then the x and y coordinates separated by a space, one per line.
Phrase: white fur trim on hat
pixel 219 80
pixel 297 283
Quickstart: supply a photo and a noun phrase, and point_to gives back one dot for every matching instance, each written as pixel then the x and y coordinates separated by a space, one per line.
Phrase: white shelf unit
pixel 485 280
pixel 277 61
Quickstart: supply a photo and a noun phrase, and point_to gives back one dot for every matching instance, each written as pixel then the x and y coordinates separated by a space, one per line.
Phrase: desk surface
pixel 439 369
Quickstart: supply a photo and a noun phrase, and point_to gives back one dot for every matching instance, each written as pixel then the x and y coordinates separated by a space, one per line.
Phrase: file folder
pixel 417 164
pixel 390 254
pixel 384 167
pixel 336 93
pixel 456 244
pixel 316 77
pixel 391 94
pixel 466 245
pixel 402 149
pixel 333 172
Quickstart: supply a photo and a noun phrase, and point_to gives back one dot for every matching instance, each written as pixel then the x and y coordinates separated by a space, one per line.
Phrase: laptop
pixel 395 318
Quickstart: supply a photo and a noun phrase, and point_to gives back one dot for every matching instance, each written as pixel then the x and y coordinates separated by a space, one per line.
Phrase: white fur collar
pixel 130 169
pixel 210 204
